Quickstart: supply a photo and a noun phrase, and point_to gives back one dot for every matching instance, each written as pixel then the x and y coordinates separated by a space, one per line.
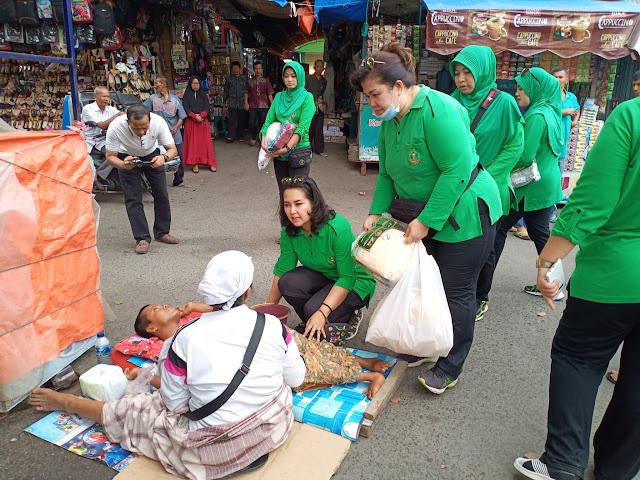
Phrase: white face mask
pixel 390 113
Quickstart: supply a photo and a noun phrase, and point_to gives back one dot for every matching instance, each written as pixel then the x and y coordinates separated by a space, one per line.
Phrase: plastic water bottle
pixel 103 349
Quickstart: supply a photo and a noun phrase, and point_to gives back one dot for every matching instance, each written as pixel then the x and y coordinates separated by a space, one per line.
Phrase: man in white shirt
pixel 131 140
pixel 101 113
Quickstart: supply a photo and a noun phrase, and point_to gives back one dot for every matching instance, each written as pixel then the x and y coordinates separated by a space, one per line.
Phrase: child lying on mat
pixel 326 364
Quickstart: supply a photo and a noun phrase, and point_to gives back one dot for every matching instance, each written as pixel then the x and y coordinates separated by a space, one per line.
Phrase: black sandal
pixel 609 376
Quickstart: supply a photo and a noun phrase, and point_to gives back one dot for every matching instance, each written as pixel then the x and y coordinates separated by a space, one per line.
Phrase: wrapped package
pixel 104 383
pixel 277 136
pixel 383 252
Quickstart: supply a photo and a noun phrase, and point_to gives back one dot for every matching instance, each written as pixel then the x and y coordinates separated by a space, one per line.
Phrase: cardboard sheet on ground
pixel 289 462
pixel 338 409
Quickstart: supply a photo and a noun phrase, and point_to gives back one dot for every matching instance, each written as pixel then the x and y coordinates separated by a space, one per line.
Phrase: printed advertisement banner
pixel 529 32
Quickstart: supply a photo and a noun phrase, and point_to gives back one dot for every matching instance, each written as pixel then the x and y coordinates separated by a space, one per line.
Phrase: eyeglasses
pixel 370 62
pixel 289 181
pixel 525 71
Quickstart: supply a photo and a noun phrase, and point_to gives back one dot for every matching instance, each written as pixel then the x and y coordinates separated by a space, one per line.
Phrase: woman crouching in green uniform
pixel 427 155
pixel 497 125
pixel 543 143
pixel 327 290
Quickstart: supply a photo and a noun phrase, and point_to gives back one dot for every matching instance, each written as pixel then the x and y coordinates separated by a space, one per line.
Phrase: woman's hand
pixel 368 223
pixel 198 118
pixel 277 153
pixel 315 326
pixel 186 309
pixel 548 289
pixel 416 231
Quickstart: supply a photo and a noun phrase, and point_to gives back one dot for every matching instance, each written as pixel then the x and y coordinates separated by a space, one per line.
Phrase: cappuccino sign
pixel 528 32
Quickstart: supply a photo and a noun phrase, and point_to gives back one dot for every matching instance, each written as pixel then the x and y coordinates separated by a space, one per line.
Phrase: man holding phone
pixel 132 148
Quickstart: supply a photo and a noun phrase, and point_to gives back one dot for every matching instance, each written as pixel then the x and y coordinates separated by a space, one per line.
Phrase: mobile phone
pixel 556 272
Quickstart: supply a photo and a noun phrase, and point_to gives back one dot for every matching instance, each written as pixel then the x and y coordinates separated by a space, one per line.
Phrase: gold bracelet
pixel 540 263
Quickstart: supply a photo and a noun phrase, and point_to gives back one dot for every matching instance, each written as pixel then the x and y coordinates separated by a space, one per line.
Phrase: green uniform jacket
pixel 603 213
pixel 327 252
pixel 547 191
pixel 302 116
pixel 499 152
pixel 429 156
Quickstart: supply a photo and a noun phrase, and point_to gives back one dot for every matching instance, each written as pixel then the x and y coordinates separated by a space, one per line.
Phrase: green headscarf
pixel 544 93
pixel 291 99
pixel 481 62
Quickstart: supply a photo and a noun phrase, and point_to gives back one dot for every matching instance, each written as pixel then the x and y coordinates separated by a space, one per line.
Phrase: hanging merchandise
pixel 33 35
pixel 125 13
pixel 27 12
pixel 113 42
pixel 8 12
pixel 49 33
pixel 86 33
pixel 142 19
pixel 58 11
pixel 81 11
pixel 14 33
pixel 306 17
pixel 59 45
pixel 104 21
pixel 45 10
pixel 132 36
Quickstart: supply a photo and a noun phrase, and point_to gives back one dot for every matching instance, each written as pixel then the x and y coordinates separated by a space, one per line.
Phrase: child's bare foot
pixel 373 364
pixel 47 400
pixel 377 380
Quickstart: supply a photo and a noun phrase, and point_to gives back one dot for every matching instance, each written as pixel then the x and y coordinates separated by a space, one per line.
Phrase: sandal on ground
pixel 609 376
pixel 213 169
pixel 195 169
pixel 252 143
pixel 522 235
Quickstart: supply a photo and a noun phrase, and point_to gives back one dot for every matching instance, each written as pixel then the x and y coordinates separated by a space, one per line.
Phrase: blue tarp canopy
pixel 282 3
pixel 565 5
pixel 331 11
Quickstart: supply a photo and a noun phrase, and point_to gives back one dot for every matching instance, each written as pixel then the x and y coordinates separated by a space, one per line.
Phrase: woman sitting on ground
pixel 327 287
pixel 212 446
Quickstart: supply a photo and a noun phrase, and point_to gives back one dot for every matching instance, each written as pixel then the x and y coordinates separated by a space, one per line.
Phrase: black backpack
pixel 126 13
pixel 27 12
pixel 104 22
pixel 58 11
pixel 8 12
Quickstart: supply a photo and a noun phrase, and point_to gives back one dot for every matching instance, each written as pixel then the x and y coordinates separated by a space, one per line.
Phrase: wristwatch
pixel 288 148
pixel 166 158
pixel 540 263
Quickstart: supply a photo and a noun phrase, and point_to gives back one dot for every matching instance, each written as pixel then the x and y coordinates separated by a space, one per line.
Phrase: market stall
pixel 587 38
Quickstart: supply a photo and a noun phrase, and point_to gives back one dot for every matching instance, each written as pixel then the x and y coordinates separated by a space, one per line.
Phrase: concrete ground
pixel 475 431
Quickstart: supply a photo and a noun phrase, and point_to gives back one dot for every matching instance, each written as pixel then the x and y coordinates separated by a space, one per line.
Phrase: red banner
pixel 529 32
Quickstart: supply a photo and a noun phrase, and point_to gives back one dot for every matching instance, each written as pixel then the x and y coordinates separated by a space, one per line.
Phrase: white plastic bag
pixel 414 317
pixel 142 383
pixel 104 383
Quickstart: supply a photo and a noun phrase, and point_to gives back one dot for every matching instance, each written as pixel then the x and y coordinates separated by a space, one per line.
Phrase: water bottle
pixel 103 349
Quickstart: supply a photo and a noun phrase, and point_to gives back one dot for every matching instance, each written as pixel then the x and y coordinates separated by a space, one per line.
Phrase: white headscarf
pixel 227 277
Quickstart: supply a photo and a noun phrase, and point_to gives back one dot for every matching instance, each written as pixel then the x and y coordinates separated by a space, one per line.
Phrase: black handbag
pixel 242 372
pixel 407 210
pixel 300 157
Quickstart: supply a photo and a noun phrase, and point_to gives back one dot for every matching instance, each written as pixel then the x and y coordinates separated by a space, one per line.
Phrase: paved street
pixel 474 431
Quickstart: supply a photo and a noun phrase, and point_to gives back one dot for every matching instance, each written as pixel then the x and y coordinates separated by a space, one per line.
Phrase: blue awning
pixel 282 3
pixel 565 5
pixel 331 11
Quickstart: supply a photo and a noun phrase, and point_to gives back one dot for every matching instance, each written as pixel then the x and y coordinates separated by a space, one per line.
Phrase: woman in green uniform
pixel 498 127
pixel 543 143
pixel 427 154
pixel 603 310
pixel 327 287
pixel 296 105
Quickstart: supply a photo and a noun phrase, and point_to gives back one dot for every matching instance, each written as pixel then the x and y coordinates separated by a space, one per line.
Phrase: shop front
pixel 587 38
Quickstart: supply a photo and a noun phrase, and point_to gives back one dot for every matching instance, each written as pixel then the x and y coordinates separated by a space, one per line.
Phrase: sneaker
pixel 142 247
pixel 532 468
pixel 414 361
pixel 354 324
pixel 483 306
pixel 533 290
pixel 435 383
pixel 553 218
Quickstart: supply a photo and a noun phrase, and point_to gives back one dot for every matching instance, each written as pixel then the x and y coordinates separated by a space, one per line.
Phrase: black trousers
pixel 132 187
pixel 178 177
pixel 316 132
pixel 538 227
pixel 257 116
pixel 460 264
pixel 306 289
pixel 235 130
pixel 588 336
pixel 282 170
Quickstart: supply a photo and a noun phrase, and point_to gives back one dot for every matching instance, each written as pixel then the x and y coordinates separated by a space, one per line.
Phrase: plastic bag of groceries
pixel 278 134
pixel 383 252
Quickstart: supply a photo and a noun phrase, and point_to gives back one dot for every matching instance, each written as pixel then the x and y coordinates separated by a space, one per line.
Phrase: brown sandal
pixel 213 169
pixel 195 169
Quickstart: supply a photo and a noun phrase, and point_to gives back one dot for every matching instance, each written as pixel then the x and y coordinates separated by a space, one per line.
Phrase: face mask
pixel 390 113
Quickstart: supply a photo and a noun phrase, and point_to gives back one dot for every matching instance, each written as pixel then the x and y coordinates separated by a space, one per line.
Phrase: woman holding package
pixel 198 147
pixel 295 105
pixel 427 156
pixel 327 288
pixel 543 143
pixel 497 125
pixel 602 217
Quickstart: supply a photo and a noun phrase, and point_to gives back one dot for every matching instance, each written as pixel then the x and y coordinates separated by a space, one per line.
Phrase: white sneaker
pixel 533 290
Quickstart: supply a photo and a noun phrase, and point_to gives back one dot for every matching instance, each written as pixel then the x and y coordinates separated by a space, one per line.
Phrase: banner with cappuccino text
pixel 529 32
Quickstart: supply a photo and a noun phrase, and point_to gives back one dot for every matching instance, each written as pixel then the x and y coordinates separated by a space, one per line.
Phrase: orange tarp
pixel 49 266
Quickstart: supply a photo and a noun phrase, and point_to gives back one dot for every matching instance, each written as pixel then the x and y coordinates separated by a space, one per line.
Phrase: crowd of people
pixel 464 196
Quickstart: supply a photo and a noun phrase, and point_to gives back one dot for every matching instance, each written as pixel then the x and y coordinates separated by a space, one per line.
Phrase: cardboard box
pixel 335 139
pixel 334 122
